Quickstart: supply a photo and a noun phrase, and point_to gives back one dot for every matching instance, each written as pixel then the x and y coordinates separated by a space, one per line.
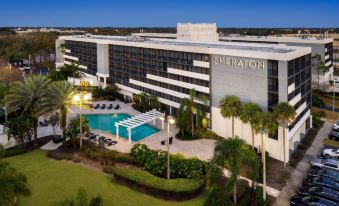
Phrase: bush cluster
pixel 304 144
pixel 208 134
pixel 59 155
pixel 154 161
pixel 13 152
pixel 316 119
pixel 145 178
pixel 317 102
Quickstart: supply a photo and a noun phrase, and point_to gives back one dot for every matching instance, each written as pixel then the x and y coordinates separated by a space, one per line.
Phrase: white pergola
pixel 138 120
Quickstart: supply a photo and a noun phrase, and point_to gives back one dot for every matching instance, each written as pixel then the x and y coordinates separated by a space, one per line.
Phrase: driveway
pixel 302 168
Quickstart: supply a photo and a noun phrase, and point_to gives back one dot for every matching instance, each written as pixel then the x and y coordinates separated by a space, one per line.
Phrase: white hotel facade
pixel 168 68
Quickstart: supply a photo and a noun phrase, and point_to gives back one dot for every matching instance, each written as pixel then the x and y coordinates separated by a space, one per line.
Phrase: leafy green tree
pixel 196 110
pixel 73 129
pixel 320 66
pixel 232 154
pixel 249 115
pixel 19 128
pixel 284 113
pixel 230 108
pixel 183 119
pixel 65 71
pixel 60 97
pixel 29 96
pixel 12 185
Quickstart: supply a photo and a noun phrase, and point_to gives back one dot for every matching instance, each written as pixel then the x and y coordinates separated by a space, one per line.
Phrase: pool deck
pixel 202 149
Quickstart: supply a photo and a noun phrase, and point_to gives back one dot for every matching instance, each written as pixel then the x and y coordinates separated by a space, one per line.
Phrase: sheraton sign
pixel 241 63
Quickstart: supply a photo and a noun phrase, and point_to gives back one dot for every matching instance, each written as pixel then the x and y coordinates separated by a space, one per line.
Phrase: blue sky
pixel 148 13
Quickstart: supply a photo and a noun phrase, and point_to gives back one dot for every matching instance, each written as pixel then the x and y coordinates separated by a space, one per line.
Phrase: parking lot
pixel 315 181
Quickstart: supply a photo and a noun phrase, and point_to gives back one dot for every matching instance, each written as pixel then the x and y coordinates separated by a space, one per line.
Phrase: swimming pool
pixel 106 123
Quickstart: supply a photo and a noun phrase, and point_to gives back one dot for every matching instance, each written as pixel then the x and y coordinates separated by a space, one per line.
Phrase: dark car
pixel 334 135
pixel 320 191
pixel 323 172
pixel 301 200
pixel 319 181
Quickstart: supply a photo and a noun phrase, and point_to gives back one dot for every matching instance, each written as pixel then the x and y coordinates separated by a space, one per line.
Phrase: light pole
pixel 170 120
pixel 333 103
pixel 263 155
pixel 84 97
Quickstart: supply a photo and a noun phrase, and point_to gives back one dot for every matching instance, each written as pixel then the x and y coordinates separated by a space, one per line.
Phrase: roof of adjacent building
pixel 242 49
pixel 279 39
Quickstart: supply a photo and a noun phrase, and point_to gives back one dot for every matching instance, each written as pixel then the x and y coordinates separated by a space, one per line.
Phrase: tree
pixel 65 71
pixel 320 66
pixel 249 115
pixel 29 96
pixel 184 119
pixel 195 109
pixel 19 128
pixel 54 120
pixel 12 185
pixel 60 97
pixel 73 129
pixel 284 113
pixel 232 154
pixel 230 108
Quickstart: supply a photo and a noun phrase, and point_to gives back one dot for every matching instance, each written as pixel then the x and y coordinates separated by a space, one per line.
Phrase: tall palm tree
pixel 230 108
pixel 12 185
pixel 29 96
pixel 249 114
pixel 60 96
pixel 231 154
pixel 195 108
pixel 184 116
pixel 320 66
pixel 284 113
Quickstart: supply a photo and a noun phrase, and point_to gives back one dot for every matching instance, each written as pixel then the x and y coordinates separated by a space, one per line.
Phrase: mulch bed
pixel 277 175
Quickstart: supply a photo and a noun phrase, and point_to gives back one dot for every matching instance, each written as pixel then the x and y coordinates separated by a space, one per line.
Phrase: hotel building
pixel 168 68
pixel 322 46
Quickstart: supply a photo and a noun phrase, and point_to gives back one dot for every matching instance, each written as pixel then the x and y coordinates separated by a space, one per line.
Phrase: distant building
pixel 168 68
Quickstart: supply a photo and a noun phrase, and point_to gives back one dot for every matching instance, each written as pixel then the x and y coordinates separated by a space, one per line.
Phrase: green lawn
pixel 51 180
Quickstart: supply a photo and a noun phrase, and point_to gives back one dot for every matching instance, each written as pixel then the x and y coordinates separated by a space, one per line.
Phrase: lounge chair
pixel 103 106
pixel 170 140
pixel 97 106
pixel 163 142
pixel 110 106
pixel 117 107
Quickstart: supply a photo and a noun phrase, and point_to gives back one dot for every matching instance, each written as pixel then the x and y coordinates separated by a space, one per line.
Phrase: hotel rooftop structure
pixel 169 68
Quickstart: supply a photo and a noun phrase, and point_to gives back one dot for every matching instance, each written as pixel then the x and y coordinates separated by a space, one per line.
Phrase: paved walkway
pixel 302 168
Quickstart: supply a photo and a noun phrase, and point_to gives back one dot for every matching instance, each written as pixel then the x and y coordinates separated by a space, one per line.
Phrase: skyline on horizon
pixel 152 13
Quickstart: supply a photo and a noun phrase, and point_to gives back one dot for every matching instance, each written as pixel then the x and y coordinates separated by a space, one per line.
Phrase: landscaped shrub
pixel 154 161
pixel 59 155
pixel 207 134
pixel 218 197
pixel 259 200
pixel 145 178
pixel 296 157
pixel 13 152
pixel 124 158
pixel 317 102
pixel 108 169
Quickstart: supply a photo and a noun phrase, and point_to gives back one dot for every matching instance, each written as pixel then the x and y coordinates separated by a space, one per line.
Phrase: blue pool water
pixel 106 123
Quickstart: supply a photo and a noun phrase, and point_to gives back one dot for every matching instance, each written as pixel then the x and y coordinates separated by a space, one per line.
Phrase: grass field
pixel 51 180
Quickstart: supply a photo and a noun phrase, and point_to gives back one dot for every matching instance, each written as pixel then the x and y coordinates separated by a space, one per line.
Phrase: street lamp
pixel 80 98
pixel 263 155
pixel 170 120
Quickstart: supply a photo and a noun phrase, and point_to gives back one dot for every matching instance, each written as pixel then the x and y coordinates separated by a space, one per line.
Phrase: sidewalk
pixel 302 168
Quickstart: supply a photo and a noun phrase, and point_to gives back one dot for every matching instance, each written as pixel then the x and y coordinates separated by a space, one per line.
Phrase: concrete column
pixel 129 136
pixel 105 82
pixel 154 122
pixel 170 110
pixel 162 124
pixel 117 130
pixel 311 122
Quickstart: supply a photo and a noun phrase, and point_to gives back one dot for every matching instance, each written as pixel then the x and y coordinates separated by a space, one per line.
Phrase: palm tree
pixel 184 118
pixel 231 154
pixel 29 96
pixel 284 113
pixel 230 108
pixel 60 96
pixel 195 108
pixel 249 115
pixel 320 66
pixel 12 185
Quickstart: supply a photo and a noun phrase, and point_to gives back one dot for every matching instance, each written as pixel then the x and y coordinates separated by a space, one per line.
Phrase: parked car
pixel 323 172
pixel 320 181
pixel 320 191
pixel 336 125
pixel 326 163
pixel 300 200
pixel 334 135
pixel 331 153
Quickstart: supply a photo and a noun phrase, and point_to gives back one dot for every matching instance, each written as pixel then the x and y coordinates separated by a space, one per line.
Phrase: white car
pixel 331 153
pixel 336 125
pixel 326 163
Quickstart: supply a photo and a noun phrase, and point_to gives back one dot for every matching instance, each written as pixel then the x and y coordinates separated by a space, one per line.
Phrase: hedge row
pixel 154 161
pixel 172 189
